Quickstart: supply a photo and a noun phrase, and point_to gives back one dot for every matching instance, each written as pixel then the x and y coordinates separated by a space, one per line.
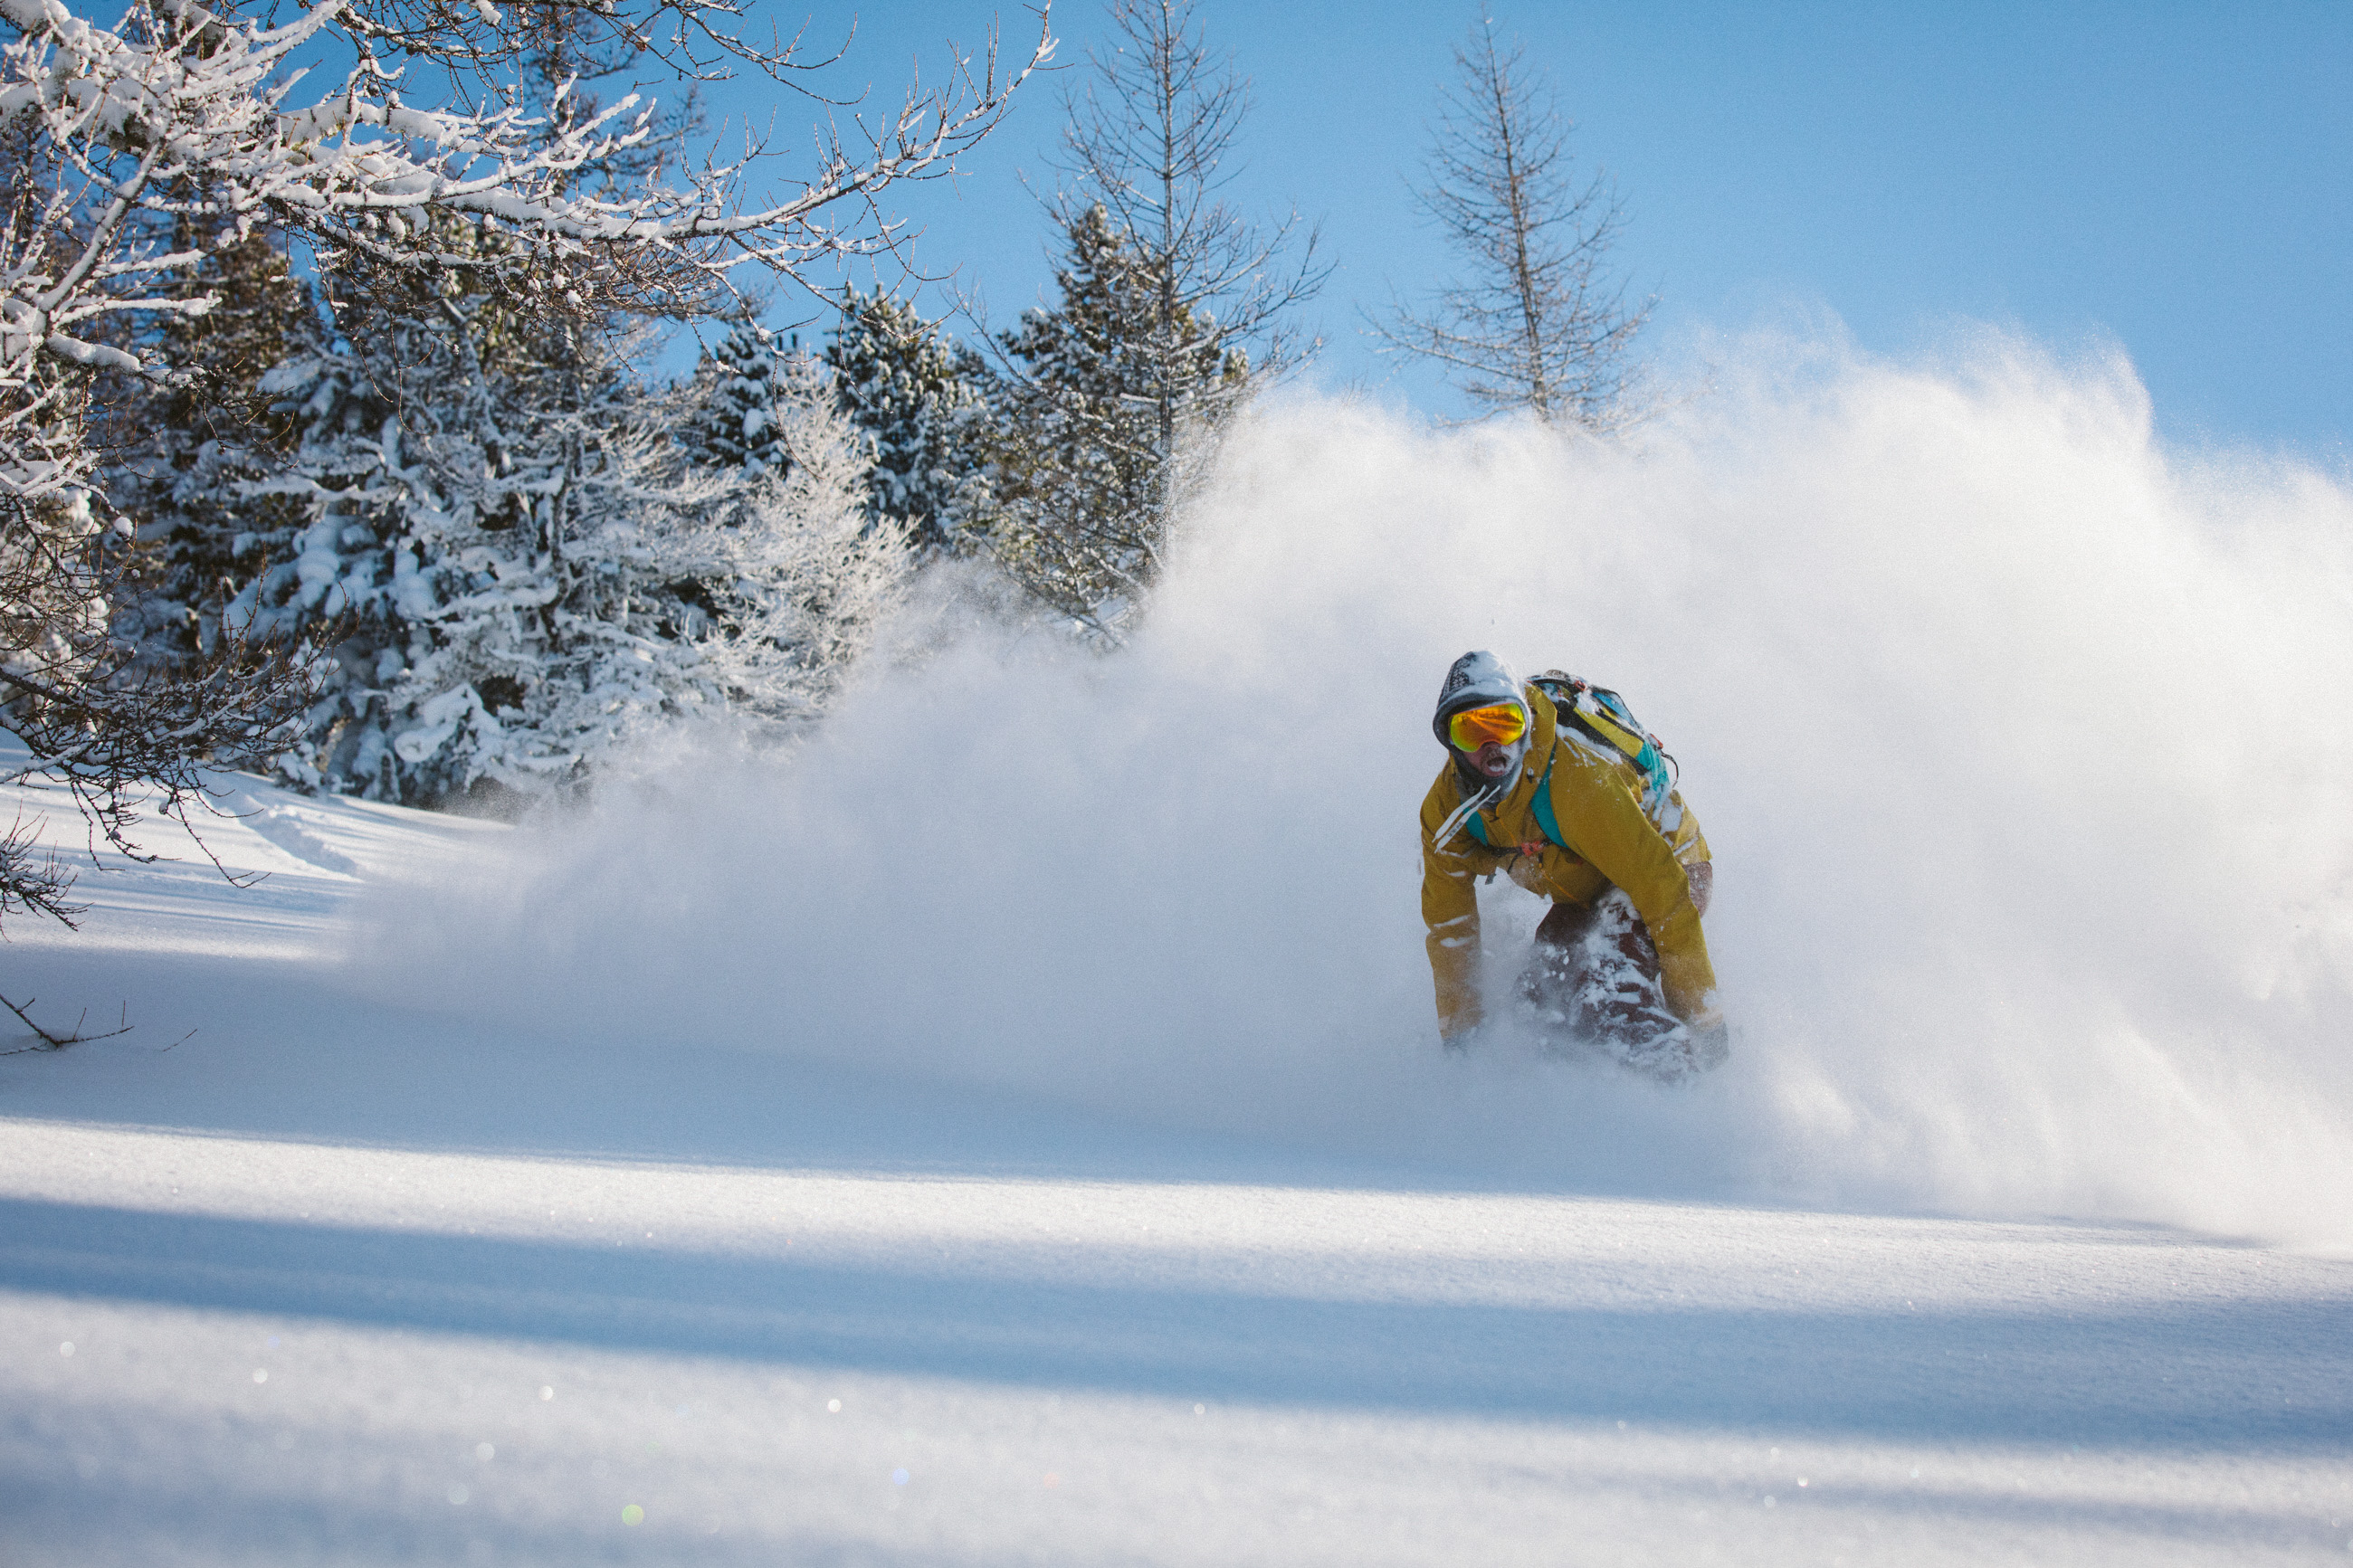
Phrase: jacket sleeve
pixel 1450 909
pixel 1602 817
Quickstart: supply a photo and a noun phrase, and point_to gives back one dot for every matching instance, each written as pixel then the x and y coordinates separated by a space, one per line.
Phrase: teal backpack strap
pixel 1546 818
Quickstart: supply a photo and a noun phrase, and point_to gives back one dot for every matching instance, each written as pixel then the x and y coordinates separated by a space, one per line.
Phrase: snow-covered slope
pixel 1010 1131
pixel 338 1281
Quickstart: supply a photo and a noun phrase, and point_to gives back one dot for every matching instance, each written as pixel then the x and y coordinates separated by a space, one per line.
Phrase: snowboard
pixel 1591 990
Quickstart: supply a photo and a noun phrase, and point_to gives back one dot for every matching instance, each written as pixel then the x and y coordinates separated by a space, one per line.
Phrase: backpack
pixel 1600 719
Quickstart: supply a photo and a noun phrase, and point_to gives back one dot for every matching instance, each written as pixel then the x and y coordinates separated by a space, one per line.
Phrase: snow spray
pixel 2019 739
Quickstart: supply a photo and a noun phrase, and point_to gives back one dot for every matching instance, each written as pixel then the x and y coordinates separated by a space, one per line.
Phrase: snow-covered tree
pixel 796 576
pixel 520 571
pixel 735 425
pixel 139 143
pixel 194 447
pixel 1084 475
pixel 68 690
pixel 1150 137
pixel 921 402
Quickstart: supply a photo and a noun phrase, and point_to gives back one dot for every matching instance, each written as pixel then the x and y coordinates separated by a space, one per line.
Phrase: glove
pixel 1711 1040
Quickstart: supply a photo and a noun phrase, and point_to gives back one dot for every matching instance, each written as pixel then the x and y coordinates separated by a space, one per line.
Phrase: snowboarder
pixel 1555 784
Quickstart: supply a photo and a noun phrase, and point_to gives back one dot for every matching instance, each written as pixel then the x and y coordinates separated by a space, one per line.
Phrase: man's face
pixel 1493 760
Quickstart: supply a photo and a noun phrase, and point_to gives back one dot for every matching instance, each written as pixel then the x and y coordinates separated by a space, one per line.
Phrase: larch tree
pixel 1534 324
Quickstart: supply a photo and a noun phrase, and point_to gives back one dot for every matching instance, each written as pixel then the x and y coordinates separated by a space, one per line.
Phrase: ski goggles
pixel 1502 722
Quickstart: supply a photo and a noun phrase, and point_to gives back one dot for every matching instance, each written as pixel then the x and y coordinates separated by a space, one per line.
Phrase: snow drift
pixel 2018 738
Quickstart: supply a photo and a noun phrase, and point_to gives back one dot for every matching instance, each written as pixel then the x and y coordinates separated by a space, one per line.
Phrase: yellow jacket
pixel 1596 796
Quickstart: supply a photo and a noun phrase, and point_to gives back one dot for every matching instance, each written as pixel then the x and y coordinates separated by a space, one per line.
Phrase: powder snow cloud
pixel 2007 724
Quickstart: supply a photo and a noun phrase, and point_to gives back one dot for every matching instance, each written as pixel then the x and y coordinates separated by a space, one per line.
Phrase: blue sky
pixel 2175 178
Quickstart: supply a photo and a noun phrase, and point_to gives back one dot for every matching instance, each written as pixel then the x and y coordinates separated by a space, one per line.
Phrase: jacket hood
pixel 1474 680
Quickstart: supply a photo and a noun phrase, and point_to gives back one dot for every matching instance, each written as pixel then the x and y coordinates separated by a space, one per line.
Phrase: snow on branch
pixel 188 114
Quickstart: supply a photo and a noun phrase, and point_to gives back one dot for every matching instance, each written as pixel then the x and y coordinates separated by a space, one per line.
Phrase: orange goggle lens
pixel 1473 727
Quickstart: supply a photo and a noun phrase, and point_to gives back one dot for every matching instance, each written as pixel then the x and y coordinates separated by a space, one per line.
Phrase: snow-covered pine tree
pixel 921 402
pixel 1084 453
pixel 796 577
pixel 734 425
pixel 421 540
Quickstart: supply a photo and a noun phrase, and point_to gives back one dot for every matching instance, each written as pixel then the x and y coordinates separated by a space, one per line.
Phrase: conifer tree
pixel 1173 309
pixel 1534 323
pixel 797 576
pixel 430 437
pixel 1082 473
pixel 200 441
pixel 220 120
pixel 735 426
pixel 921 402
pixel 525 572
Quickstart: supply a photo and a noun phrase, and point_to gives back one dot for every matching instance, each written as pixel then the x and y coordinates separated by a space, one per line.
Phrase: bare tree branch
pixel 45 1041
pixel 1150 137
